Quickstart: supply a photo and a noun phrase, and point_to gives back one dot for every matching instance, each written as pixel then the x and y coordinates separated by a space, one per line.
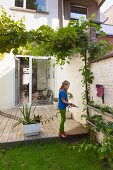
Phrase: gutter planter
pixel 32 129
pixel 106 116
pixel 99 135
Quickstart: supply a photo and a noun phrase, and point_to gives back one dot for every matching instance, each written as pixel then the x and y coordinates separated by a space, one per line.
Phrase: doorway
pixel 35 82
pixel 42 81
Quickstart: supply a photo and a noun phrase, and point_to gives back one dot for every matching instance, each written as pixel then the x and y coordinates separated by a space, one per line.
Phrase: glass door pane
pixel 42 82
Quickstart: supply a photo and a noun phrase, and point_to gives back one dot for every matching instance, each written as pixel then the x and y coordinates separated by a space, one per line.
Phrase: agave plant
pixel 26 113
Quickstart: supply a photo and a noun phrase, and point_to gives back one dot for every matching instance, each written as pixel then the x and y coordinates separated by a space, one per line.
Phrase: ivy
pixel 101 108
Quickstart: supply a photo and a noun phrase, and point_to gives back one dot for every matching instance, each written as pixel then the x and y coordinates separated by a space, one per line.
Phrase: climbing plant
pixel 13 34
pixel 68 41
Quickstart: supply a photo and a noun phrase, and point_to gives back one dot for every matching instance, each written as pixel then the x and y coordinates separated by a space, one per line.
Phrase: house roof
pixel 100 2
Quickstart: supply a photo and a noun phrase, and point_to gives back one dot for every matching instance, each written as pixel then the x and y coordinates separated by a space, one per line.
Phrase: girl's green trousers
pixel 62 121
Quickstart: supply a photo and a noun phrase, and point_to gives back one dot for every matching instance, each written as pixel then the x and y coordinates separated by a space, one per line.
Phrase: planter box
pixel 106 116
pixel 99 135
pixel 32 129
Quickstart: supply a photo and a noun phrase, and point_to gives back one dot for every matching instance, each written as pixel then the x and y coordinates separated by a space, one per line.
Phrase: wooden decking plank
pixel 48 130
pixel 3 126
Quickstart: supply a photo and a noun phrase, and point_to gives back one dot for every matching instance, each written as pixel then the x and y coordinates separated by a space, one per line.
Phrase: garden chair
pixel 45 99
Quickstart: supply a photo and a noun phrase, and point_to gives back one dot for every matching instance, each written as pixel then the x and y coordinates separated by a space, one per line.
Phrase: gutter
pixel 101 3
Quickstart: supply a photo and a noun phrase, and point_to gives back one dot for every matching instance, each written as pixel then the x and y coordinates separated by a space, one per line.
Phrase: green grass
pixel 55 155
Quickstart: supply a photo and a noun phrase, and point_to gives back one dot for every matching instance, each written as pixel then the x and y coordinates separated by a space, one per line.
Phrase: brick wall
pixel 108 38
pixel 103 74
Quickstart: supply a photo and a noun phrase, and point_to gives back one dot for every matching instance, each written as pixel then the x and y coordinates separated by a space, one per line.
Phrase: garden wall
pixel 71 73
pixel 103 74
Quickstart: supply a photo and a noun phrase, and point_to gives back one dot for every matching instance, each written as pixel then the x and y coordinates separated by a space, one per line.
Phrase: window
pixel 30 4
pixel 19 3
pixel 77 12
pixel 39 5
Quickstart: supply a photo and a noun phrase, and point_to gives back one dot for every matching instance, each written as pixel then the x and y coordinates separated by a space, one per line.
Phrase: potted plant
pixel 31 124
pixel 70 96
pixel 55 103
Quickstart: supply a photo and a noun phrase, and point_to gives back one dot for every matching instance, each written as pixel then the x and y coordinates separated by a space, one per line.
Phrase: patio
pixel 10 134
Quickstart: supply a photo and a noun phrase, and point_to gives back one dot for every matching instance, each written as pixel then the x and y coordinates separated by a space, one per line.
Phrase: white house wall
pixel 35 20
pixel 7 70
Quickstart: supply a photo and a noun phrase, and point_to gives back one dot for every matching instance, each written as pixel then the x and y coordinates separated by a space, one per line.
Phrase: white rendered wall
pixel 35 20
pixel 71 73
pixel 7 88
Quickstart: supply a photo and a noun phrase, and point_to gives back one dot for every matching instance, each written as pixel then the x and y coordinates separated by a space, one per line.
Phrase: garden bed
pixel 106 116
pixel 99 135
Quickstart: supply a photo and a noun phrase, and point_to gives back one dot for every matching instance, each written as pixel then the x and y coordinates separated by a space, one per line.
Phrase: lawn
pixel 54 155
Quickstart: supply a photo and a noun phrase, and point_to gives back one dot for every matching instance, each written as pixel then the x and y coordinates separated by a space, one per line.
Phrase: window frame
pixel 25 5
pixel 74 5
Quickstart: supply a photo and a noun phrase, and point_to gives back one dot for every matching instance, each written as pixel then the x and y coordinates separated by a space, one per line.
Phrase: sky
pixel 106 5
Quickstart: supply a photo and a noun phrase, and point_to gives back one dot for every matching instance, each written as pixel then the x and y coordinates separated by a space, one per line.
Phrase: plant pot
pixel 32 129
pixel 68 115
pixel 55 104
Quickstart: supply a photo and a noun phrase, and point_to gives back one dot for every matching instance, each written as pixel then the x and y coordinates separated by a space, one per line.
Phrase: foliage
pixel 98 49
pixel 26 113
pixel 104 151
pixel 12 33
pixel 105 148
pixel 40 41
pixel 1 56
pixel 70 96
pixel 74 38
pixel 101 125
pixel 102 108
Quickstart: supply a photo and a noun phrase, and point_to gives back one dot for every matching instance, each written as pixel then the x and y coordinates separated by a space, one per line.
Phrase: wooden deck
pixel 10 134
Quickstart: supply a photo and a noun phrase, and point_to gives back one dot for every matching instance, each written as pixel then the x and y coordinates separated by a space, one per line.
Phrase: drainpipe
pixel 30 81
pixel 60 12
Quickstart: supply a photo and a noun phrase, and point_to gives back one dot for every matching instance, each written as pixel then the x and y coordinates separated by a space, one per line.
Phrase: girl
pixel 62 104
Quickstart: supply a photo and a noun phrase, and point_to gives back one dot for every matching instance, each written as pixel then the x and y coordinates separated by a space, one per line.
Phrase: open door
pixel 17 81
